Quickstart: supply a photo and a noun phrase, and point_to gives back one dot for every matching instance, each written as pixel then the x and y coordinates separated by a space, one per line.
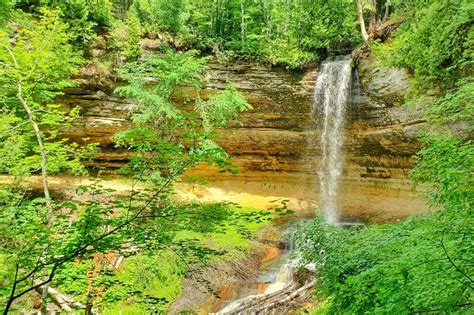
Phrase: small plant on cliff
pixel 168 139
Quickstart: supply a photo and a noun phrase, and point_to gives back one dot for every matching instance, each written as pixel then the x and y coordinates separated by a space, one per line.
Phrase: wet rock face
pixel 380 125
pixel 271 145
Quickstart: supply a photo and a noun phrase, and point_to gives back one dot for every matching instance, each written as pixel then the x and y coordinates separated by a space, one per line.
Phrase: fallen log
pixel 64 301
pixel 303 292
pixel 263 303
pixel 383 31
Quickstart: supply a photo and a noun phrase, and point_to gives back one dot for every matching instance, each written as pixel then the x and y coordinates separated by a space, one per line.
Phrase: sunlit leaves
pixel 456 107
pixel 392 268
pixel 447 163
pixel 222 108
pixel 169 139
pixel 36 63
pixel 40 57
pixel 40 60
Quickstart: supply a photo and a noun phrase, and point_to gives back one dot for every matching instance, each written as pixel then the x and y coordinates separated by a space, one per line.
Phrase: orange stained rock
pixel 37 304
pixel 262 286
pixel 270 254
pixel 225 292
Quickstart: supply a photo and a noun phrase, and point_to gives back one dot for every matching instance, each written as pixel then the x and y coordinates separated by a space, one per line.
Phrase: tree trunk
pixel 44 158
pixel 287 15
pixel 242 23
pixel 374 16
pixel 44 163
pixel 360 13
pixel 66 303
pixel 222 14
pixel 44 175
pixel 387 10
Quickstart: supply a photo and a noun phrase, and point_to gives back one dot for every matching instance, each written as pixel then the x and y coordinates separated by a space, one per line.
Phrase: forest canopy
pixel 292 33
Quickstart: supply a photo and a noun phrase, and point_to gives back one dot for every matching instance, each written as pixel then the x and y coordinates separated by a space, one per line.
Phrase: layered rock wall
pixel 273 145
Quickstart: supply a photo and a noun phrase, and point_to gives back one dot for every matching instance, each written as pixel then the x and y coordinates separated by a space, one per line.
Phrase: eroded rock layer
pixel 273 145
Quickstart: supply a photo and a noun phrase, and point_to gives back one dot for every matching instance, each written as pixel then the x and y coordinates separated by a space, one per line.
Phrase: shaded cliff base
pixel 363 199
pixel 372 200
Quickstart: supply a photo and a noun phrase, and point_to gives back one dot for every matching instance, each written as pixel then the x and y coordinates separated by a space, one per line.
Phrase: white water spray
pixel 331 95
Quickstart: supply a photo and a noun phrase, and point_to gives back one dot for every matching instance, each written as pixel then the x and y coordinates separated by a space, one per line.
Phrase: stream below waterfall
pixel 275 283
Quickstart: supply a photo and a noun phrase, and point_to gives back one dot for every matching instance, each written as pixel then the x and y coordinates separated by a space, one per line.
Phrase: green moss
pixel 126 308
pixel 233 235
pixel 148 283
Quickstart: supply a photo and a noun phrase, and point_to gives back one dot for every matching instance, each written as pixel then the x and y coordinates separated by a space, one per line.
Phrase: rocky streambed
pixel 279 288
pixel 266 281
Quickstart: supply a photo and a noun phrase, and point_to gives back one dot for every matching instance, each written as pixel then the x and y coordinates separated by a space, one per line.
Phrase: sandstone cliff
pixel 272 147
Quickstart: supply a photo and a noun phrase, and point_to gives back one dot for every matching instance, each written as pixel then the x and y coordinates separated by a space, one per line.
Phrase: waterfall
pixel 331 95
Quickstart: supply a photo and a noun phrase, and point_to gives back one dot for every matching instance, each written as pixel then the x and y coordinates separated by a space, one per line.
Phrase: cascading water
pixel 279 278
pixel 331 95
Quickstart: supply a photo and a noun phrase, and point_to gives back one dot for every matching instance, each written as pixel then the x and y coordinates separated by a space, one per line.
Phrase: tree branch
pixel 85 247
pixel 456 266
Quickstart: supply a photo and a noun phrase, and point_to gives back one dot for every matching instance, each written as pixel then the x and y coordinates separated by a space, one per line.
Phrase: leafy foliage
pixel 222 108
pixel 6 11
pixel 447 163
pixel 455 107
pixel 125 38
pixel 37 64
pixel 83 17
pixel 166 15
pixel 293 33
pixel 420 265
pixel 169 140
pixel 152 279
pixel 281 32
pixel 435 43
pixel 361 270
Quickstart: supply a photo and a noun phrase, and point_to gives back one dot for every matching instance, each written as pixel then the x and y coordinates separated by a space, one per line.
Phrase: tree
pixel 35 65
pixel 121 7
pixel 378 12
pixel 292 33
pixel 41 235
pixel 163 133
pixel 360 14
